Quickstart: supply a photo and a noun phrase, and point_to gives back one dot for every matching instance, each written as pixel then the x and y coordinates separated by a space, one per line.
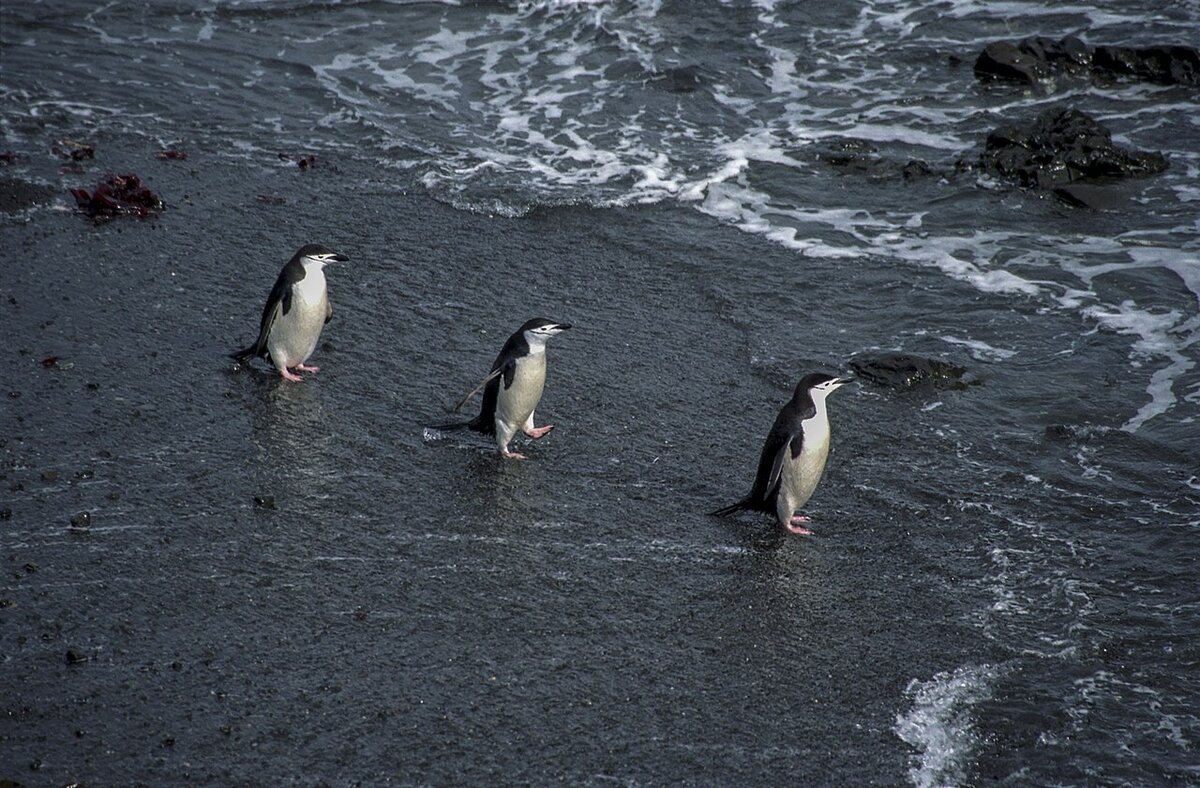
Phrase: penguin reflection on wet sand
pixel 793 457
pixel 513 387
pixel 296 311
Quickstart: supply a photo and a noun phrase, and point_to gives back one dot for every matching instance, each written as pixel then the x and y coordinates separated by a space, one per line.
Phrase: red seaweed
pixel 118 195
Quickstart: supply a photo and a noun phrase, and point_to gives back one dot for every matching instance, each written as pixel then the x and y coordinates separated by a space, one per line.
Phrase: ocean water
pixel 1003 585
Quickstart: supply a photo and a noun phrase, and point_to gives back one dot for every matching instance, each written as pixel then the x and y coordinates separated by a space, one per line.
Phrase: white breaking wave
pixel 570 102
pixel 940 725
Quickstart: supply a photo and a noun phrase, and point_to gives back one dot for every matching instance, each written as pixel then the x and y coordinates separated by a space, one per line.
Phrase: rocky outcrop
pixel 1062 147
pixel 1164 65
pixel 1036 59
pixel 863 158
pixel 1032 60
pixel 904 371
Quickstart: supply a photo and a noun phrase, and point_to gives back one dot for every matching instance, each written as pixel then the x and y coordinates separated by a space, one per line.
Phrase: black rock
pixel 1063 146
pixel 915 169
pixel 1165 65
pixel 82 520
pixel 1036 59
pixel 682 79
pixel 1005 60
pixel 264 501
pixel 76 657
pixel 862 157
pixel 905 371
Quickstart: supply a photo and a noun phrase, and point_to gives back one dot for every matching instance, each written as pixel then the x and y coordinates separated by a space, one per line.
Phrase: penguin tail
pixel 453 427
pixel 731 509
pixel 244 355
pixel 477 424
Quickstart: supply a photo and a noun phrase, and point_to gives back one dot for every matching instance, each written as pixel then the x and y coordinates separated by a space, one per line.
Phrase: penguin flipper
pixel 482 385
pixel 777 469
pixel 259 348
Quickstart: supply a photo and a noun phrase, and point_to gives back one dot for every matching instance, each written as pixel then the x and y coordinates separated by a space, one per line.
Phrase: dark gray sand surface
pixel 212 576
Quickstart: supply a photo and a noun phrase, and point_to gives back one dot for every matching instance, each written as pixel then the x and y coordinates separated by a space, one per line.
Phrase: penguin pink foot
pixel 304 368
pixel 512 455
pixel 287 375
pixel 538 432
pixel 795 525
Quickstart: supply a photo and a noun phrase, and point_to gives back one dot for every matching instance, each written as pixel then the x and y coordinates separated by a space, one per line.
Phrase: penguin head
pixel 538 330
pixel 819 385
pixel 318 255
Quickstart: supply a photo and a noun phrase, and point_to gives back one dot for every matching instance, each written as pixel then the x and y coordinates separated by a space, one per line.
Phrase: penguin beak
pixel 337 258
pixel 562 326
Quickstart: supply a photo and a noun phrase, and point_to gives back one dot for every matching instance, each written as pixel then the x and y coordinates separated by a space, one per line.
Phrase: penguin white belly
pixel 802 474
pixel 516 404
pixel 294 336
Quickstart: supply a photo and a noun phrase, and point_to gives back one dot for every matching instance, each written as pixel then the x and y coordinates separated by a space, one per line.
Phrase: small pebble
pixel 75 657
pixel 82 520
pixel 264 501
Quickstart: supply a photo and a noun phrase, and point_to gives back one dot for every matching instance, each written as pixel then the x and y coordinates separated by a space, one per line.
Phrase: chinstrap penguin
pixel 793 457
pixel 296 311
pixel 513 387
